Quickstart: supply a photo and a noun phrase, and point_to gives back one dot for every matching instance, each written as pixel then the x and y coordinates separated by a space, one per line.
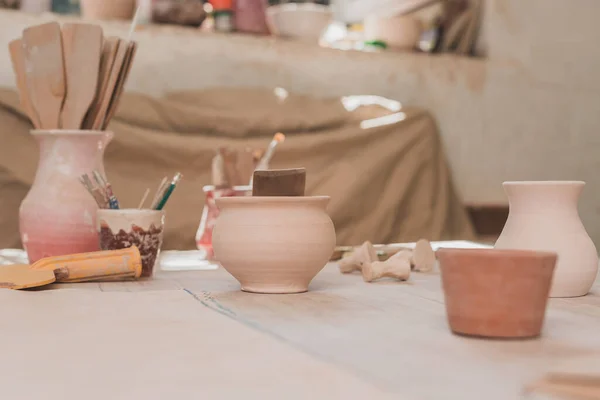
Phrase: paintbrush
pixel 112 199
pixel 266 158
pixel 169 191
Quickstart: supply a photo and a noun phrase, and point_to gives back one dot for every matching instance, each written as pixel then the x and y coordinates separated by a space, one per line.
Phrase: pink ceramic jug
pixel 58 215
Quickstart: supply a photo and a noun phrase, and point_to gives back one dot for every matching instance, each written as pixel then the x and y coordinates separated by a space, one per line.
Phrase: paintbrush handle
pixel 166 197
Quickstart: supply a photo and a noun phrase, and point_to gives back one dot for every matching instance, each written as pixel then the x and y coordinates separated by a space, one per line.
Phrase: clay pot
pixel 107 9
pixel 496 293
pixel 273 244
pixel 399 32
pixel 58 215
pixel 543 216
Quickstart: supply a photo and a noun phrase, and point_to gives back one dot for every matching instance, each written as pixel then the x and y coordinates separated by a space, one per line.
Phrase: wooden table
pixel 392 335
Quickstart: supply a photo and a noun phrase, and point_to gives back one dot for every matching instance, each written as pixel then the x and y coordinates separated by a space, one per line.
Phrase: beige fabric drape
pixel 389 183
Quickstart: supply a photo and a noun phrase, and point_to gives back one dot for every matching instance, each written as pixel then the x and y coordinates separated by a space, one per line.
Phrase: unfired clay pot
pixel 543 216
pixel 496 293
pixel 273 244
pixel 107 9
pixel 58 215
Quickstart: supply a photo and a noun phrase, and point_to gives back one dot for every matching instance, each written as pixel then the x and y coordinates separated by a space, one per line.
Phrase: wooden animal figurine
pixel 364 255
pixel 397 266
pixel 423 256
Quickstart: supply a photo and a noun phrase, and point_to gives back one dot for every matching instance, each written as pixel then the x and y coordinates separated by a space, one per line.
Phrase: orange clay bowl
pixel 496 293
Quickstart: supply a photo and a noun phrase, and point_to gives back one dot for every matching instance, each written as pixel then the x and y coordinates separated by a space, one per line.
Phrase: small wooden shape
pixel 82 44
pixel 21 276
pixel 17 56
pixel 45 72
pixel 395 267
pixel 423 256
pixel 363 255
pixel 279 182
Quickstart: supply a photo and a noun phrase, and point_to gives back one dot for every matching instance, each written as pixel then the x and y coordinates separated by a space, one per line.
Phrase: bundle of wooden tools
pixel 70 77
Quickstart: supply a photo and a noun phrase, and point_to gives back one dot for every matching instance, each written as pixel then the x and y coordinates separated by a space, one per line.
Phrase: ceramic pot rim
pixel 65 132
pixel 496 252
pixel 543 183
pixel 126 212
pixel 251 200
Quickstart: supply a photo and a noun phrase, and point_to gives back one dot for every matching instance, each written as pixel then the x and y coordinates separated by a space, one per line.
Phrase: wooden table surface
pixel 392 335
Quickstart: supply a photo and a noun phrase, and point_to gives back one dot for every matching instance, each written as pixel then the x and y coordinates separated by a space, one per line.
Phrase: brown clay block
pixel 279 182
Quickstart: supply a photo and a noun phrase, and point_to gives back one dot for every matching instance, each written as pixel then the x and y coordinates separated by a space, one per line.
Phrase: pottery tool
pixel 120 84
pixel 280 182
pixel 88 267
pixel 134 22
pixel 17 56
pixel 394 267
pixel 144 197
pixel 20 276
pixel 266 159
pixel 162 187
pixel 123 73
pixel 45 72
pixel 111 85
pixel 96 192
pixel 107 60
pixel 219 179
pixel 169 191
pixel 82 48
pixel 103 183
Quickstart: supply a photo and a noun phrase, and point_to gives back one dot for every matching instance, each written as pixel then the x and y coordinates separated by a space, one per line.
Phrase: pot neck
pixel 544 196
pixel 71 152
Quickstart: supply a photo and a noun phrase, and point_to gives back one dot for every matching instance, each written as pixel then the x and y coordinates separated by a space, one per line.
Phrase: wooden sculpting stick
pixel 86 267
pixel 279 182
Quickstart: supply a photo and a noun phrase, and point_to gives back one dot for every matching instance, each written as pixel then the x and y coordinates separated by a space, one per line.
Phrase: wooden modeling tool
pixel 363 255
pixel 279 182
pixel 266 158
pixel 219 178
pixel 21 276
pixel 82 47
pixel 111 84
pixel 107 60
pixel 45 72
pixel 120 85
pixel 17 55
pixel 86 267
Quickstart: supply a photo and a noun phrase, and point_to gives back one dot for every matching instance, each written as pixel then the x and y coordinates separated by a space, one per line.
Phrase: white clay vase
pixel 543 216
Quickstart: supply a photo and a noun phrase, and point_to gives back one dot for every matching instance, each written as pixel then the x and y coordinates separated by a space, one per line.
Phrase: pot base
pixel 274 289
pixel 497 337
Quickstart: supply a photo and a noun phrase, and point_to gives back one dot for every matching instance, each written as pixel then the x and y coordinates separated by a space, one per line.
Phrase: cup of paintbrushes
pixel 121 229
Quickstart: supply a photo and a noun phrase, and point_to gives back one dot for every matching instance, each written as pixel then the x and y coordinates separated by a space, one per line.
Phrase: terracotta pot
pixel 273 244
pixel 496 293
pixel 58 215
pixel 543 216
pixel 107 9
